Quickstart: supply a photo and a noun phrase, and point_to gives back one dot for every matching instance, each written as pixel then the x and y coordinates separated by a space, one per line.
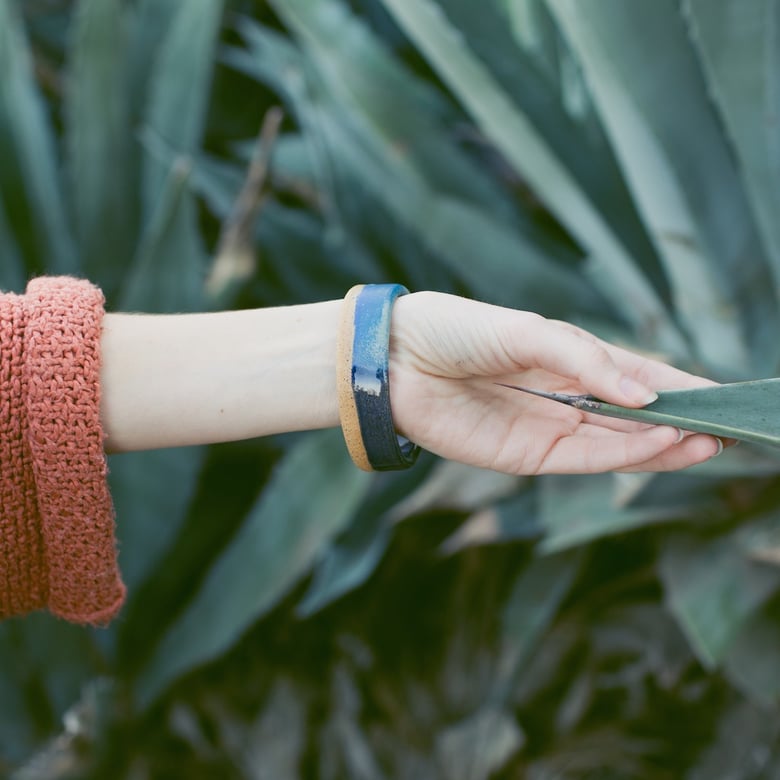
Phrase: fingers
pixel 693 449
pixel 582 358
pixel 595 450
pixel 654 373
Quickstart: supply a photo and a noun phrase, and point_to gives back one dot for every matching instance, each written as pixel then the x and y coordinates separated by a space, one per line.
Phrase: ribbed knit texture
pixel 57 547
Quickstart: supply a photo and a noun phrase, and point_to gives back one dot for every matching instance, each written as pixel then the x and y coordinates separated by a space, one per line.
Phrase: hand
pixel 447 352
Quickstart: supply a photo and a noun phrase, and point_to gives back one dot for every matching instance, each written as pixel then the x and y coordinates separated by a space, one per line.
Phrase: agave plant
pixel 615 164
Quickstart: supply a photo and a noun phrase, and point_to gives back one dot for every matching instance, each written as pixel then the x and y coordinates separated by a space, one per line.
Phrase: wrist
pixel 405 356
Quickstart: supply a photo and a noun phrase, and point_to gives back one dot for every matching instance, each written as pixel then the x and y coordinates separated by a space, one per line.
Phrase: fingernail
pixel 680 434
pixel 720 447
pixel 636 392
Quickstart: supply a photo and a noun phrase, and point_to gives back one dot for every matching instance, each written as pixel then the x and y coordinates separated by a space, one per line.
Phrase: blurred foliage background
pixel 615 164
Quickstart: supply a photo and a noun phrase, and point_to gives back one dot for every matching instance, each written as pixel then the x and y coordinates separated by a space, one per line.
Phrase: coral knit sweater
pixel 57 547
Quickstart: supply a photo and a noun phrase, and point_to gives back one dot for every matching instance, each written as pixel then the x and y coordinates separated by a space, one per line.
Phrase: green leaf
pixel 713 588
pixel 149 22
pixel 753 662
pixel 353 557
pixel 516 274
pixel 98 140
pixel 508 520
pixel 29 177
pixel 478 745
pixel 151 491
pixel 532 28
pixel 312 497
pixel 46 664
pixel 456 232
pixel 452 485
pixel 347 564
pixel 740 52
pixel 12 275
pixel 172 255
pixel 546 84
pixel 179 89
pixel 274 738
pixel 739 410
pixel 530 609
pixel 387 99
pixel 526 149
pixel 575 510
pixel 384 131
pixel 679 169
pixel 17 727
pixel 744 747
pixel 169 266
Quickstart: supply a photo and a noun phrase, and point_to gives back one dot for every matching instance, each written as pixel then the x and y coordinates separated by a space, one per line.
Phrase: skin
pixel 447 353
pixel 171 380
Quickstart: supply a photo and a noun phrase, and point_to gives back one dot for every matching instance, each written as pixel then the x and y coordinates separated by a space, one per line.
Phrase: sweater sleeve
pixel 57 542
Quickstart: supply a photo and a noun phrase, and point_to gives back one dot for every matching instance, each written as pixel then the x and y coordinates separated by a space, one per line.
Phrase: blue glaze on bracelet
pixel 386 450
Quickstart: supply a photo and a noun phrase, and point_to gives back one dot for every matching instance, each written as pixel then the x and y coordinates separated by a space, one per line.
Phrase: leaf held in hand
pixel 749 411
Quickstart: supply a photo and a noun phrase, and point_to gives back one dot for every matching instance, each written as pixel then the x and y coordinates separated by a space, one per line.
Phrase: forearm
pixel 171 380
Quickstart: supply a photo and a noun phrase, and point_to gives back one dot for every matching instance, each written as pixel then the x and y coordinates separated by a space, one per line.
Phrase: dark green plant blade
pixel 681 173
pixel 749 411
pixel 714 587
pixel 99 140
pixel 312 497
pixel 29 176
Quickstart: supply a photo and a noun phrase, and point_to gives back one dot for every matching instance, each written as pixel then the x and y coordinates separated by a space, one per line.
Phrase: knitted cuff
pixel 57 547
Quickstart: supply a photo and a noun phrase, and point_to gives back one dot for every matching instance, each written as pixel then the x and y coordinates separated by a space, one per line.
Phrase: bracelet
pixel 363 380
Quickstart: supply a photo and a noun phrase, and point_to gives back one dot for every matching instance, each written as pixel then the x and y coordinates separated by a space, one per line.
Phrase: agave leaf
pixel 713 588
pixel 354 556
pixel 56 659
pixel 291 241
pixel 525 148
pixel 753 663
pixel 739 45
pixel 12 276
pixel 749 411
pixel 18 735
pixel 145 487
pixel 457 232
pixel 172 254
pixel 546 84
pixel 149 22
pixel 377 125
pixel 394 104
pixel 454 485
pixel 680 170
pixel 179 89
pixel 312 497
pixel 574 511
pixel 533 29
pixel 744 747
pixel 98 140
pixel 168 268
pixel 29 177
pixel 508 520
pixel 530 609
pixel 480 744
pixel 347 564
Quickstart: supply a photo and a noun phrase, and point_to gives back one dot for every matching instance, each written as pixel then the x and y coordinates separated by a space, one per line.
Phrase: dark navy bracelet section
pixel 385 449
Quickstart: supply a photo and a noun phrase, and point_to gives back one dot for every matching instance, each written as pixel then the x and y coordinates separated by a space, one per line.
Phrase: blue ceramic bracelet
pixel 363 380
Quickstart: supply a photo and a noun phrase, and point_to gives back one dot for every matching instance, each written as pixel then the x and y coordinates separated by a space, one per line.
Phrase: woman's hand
pixel 446 353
